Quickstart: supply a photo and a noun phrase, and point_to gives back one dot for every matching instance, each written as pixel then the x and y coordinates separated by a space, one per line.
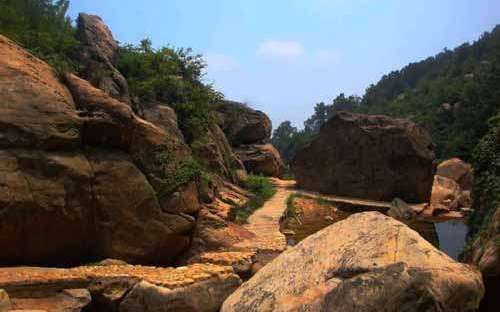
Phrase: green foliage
pixel 42 27
pixel 262 189
pixel 188 170
pixel 323 112
pixel 288 140
pixel 173 77
pixel 452 94
pixel 291 210
pixel 486 189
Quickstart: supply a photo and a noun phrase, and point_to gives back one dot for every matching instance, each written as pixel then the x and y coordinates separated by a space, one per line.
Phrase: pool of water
pixel 448 236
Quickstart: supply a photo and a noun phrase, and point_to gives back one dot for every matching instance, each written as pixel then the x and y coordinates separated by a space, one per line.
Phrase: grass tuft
pixel 262 189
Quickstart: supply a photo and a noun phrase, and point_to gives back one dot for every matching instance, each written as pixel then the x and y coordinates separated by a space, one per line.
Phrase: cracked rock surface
pixel 368 262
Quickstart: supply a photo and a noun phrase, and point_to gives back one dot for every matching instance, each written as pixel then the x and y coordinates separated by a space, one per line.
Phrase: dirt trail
pixel 265 221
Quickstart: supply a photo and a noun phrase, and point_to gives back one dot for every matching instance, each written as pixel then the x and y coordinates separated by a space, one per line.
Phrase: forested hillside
pixel 452 94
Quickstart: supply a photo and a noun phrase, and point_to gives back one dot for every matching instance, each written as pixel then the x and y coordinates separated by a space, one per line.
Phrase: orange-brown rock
pixel 36 110
pixel 82 177
pixel 199 287
pixel 261 159
pixel 444 190
pixel 367 262
pixel 214 150
pixel 457 170
pixel 98 54
pixel 448 194
pixel 370 157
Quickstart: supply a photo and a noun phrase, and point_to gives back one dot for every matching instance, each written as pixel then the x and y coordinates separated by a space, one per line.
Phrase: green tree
pixel 42 27
pixel 172 77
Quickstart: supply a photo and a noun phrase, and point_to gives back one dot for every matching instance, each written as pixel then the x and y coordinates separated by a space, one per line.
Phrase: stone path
pixel 265 221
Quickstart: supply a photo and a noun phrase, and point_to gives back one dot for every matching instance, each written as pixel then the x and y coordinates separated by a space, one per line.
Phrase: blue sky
pixel 283 56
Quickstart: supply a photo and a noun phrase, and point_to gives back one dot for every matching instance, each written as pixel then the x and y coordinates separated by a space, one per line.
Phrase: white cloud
pixel 284 49
pixel 220 63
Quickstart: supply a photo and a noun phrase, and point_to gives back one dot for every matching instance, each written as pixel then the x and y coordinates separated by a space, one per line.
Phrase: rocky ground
pixel 120 287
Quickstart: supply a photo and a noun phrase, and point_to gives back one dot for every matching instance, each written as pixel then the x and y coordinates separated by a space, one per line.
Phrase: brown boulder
pixel 447 193
pixel 457 170
pixel 108 123
pixel 444 190
pixel 261 159
pixel 367 262
pixel 98 54
pixel 83 177
pixel 243 125
pixel 371 157
pixel 94 206
pixel 36 110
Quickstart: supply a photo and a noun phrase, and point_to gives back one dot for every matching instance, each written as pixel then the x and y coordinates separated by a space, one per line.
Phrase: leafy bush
pixel 262 189
pixel 189 170
pixel 172 77
pixel 42 27
pixel 486 188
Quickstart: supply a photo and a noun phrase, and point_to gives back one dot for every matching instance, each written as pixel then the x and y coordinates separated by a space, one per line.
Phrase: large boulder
pixel 243 125
pixel 452 185
pixel 457 170
pixel 368 262
pixel 80 170
pixel 444 190
pixel 371 157
pixel 98 54
pixel 261 159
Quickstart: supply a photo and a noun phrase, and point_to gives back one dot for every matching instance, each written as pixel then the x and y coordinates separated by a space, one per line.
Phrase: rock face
pixel 486 250
pixel 371 157
pixel 80 170
pixel 214 150
pixel 36 111
pixel 243 125
pixel 164 117
pixel 124 288
pixel 368 262
pixel 458 171
pixel 261 159
pixel 98 53
pixel 249 132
